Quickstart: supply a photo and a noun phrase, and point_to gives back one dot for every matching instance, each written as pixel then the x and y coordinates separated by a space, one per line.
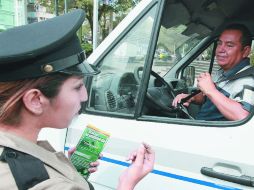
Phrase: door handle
pixel 243 179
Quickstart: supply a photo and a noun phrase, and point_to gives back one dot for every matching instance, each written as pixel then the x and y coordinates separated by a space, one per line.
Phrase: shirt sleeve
pixel 246 97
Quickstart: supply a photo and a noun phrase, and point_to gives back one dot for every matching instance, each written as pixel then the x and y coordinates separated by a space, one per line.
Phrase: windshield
pixel 174 43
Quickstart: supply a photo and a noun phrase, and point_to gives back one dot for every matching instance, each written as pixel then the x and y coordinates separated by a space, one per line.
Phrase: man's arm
pixel 231 109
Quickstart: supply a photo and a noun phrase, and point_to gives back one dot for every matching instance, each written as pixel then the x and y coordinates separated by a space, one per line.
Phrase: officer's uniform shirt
pixel 62 175
pixel 240 90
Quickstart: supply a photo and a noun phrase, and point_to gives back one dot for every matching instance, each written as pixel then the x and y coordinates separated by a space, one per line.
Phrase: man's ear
pixel 246 51
pixel 34 101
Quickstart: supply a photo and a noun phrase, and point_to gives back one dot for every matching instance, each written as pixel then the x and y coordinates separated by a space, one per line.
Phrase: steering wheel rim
pixel 161 96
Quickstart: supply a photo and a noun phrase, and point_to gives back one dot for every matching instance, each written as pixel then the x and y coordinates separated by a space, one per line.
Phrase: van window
pixel 202 63
pixel 252 54
pixel 172 46
pixel 115 89
pixel 184 50
pixel 174 49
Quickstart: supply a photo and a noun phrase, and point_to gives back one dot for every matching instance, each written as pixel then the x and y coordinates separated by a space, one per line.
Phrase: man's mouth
pixel 221 58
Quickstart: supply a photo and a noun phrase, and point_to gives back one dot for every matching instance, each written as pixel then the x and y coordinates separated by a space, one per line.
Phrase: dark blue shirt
pixel 208 110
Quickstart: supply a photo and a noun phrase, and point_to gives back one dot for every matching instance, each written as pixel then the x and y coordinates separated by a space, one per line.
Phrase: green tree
pixel 50 5
pixel 119 7
pixel 105 13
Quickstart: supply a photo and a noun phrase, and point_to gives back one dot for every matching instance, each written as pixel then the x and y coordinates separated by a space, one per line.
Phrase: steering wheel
pixel 162 94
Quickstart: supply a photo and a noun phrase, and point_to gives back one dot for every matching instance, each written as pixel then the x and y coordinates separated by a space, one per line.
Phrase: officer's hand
pixel 142 163
pixel 93 165
pixel 71 151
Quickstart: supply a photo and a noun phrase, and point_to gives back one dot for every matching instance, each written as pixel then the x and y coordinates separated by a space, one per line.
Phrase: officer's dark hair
pixel 11 94
pixel 246 39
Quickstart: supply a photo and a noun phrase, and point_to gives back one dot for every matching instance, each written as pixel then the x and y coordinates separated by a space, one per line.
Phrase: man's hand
pixel 178 99
pixel 205 83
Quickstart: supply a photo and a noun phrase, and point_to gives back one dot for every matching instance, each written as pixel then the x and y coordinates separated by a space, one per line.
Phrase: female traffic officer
pixel 41 85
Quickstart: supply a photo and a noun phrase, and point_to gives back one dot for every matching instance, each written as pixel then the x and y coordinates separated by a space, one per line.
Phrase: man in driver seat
pixel 223 99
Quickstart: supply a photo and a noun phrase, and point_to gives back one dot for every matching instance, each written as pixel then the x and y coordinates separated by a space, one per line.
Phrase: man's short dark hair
pixel 246 34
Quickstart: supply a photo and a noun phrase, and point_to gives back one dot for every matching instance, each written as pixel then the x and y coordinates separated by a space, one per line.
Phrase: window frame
pixel 98 62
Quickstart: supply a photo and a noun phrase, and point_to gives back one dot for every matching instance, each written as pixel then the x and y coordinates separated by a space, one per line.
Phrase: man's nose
pixel 221 48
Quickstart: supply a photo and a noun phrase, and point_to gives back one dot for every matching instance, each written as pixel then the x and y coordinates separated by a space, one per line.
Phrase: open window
pixel 185 49
pixel 115 89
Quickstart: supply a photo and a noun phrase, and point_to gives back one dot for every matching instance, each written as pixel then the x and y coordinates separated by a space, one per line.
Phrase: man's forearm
pixel 231 109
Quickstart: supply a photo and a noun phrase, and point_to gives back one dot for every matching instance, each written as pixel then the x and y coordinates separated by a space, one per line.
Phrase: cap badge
pixel 48 68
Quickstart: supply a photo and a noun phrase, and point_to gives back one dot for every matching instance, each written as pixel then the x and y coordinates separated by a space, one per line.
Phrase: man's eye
pixel 219 43
pixel 230 45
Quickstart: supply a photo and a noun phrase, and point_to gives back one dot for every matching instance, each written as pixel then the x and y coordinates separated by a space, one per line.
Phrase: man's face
pixel 229 50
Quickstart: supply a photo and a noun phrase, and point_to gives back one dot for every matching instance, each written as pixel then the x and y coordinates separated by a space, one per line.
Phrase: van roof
pixel 209 15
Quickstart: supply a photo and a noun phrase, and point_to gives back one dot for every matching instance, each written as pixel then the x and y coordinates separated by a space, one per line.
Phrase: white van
pixel 175 39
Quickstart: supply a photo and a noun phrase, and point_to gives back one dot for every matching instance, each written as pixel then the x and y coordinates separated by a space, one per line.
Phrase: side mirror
pixel 189 75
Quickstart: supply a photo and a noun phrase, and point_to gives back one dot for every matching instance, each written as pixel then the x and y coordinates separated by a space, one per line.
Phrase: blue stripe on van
pixel 170 175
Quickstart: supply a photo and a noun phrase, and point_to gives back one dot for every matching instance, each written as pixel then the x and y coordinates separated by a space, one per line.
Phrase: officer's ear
pixel 246 51
pixel 34 101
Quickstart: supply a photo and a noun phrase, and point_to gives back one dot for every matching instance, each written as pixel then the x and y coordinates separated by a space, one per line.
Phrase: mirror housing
pixel 189 76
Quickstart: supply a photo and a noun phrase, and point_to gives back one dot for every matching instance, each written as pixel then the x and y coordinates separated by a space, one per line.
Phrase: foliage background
pixel 110 13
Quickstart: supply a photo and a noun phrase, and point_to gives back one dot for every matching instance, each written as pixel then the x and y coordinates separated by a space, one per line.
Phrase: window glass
pixel 172 46
pixel 115 89
pixel 202 64
pixel 252 53
pixel 176 41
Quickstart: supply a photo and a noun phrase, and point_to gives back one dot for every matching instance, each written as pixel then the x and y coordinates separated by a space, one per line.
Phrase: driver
pixel 221 99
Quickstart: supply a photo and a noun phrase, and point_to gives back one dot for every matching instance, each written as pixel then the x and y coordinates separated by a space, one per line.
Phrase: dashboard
pixel 114 92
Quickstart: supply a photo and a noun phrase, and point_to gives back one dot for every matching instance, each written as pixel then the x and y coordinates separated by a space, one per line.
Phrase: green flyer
pixel 88 149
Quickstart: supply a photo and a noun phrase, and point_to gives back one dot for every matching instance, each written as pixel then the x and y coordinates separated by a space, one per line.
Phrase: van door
pixel 165 37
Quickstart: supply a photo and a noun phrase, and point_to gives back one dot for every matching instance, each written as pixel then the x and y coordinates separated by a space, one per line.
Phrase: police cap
pixel 42 48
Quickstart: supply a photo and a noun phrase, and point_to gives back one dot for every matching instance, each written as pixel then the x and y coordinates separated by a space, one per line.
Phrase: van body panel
pixel 179 155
